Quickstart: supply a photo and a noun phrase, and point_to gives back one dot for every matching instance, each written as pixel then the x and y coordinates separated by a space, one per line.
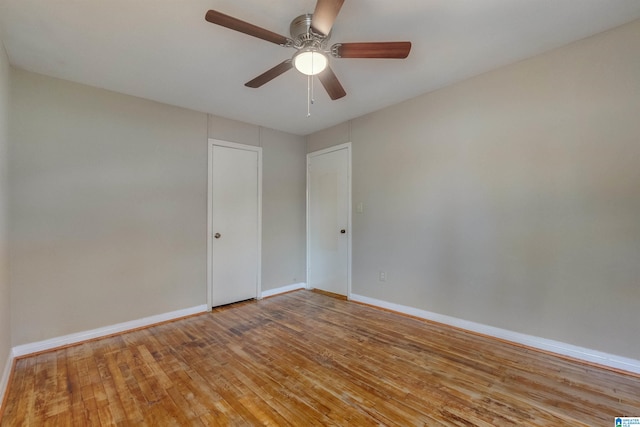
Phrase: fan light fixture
pixel 310 61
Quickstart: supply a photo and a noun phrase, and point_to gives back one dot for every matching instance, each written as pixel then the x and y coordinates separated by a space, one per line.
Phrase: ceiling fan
pixel 310 35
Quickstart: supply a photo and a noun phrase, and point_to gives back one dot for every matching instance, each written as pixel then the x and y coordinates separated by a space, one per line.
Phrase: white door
pixel 234 222
pixel 329 220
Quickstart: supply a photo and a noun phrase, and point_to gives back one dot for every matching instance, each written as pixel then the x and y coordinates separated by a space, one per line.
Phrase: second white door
pixel 328 212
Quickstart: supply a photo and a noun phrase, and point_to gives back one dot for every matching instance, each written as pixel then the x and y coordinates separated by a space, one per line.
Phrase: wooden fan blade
pixel 232 23
pixel 325 15
pixel 390 50
pixel 271 74
pixel 331 84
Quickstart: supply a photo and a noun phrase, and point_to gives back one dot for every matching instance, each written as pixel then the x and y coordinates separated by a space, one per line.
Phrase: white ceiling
pixel 164 50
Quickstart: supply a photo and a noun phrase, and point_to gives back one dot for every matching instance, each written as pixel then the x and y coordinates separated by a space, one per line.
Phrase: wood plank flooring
pixel 306 359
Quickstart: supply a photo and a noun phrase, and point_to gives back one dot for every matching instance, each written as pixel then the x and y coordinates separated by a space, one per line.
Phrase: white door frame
pixel 210 228
pixel 346 146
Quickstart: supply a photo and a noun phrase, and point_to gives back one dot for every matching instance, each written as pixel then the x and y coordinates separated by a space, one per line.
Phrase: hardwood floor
pixel 306 359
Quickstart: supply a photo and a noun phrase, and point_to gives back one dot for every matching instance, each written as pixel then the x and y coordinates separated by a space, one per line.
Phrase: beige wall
pixel 5 318
pixel 284 190
pixel 335 135
pixel 108 208
pixel 511 199
pixel 108 205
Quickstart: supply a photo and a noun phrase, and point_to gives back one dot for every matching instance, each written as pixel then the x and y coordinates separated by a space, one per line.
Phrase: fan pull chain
pixel 311 78
pixel 308 96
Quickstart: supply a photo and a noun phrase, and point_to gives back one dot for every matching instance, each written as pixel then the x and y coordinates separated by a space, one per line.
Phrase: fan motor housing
pixel 303 35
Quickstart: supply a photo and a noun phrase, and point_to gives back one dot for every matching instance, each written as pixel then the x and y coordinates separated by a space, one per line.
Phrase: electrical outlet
pixel 382 276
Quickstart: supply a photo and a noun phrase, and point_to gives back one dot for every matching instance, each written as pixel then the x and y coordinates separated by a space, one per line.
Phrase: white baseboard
pixel 26 349
pixel 4 381
pixel 282 290
pixel 560 348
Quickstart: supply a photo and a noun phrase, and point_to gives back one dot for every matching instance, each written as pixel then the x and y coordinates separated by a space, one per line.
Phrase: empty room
pixel 320 212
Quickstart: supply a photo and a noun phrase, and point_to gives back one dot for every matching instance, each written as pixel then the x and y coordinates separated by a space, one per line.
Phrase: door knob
pixel 217 235
pixel 343 231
